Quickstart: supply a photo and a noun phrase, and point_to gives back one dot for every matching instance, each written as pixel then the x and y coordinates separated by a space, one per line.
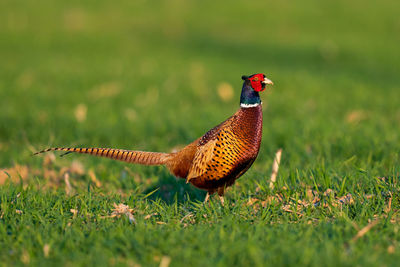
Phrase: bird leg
pixel 221 198
pixel 207 198
pixel 209 194
pixel 221 192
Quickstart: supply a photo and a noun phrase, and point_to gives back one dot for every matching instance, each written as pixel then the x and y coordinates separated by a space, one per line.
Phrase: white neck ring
pixel 243 105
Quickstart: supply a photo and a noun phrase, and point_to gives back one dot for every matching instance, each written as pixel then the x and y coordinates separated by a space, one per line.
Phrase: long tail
pixel 131 156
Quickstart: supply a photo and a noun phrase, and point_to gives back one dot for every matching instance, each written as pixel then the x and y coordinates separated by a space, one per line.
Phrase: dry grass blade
pixel 275 168
pixel 165 261
pixel 49 159
pixel 15 174
pixel 225 91
pixel 80 112
pixel 25 258
pixel 93 178
pixel 150 215
pixel 364 230
pixel 68 187
pixel 74 212
pixel 122 209
pixel 46 250
pixel 347 199
pixel 388 208
pixel 187 216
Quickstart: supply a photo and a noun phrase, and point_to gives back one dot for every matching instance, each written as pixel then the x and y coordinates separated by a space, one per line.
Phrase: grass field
pixel 155 75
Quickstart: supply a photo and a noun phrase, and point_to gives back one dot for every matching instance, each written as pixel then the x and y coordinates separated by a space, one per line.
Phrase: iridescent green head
pixel 252 85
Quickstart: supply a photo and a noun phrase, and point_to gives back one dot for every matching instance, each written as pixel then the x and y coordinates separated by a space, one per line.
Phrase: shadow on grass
pixel 171 189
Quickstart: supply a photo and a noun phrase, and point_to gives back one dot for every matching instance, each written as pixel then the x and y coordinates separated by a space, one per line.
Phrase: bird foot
pixel 221 198
pixel 207 198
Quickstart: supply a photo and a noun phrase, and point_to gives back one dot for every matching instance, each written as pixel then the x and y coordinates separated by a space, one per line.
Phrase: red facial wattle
pixel 256 82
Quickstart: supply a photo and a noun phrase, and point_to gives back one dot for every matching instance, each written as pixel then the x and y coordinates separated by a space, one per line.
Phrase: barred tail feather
pixel 130 156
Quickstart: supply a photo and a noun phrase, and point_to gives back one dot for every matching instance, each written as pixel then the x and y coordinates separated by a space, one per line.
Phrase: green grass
pixel 148 74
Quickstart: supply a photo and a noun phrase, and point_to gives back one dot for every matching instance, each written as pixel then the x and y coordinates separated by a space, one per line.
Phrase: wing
pixel 225 154
pixel 203 156
pixel 209 147
pixel 205 151
pixel 192 160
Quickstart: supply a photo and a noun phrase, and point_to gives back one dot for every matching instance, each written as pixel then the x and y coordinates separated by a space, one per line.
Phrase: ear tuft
pixel 244 77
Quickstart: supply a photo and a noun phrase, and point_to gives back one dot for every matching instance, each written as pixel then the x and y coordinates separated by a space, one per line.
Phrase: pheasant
pixel 215 160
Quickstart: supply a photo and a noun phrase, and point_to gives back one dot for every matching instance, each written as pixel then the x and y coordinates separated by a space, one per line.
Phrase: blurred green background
pixel 155 75
pixel 147 74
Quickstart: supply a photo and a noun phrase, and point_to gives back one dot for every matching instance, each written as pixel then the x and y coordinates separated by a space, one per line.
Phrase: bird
pixel 215 160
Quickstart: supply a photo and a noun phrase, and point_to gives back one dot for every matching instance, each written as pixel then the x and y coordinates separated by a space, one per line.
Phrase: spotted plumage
pixel 226 150
pixel 215 160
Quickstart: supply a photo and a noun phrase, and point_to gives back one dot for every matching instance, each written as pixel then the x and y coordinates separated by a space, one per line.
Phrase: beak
pixel 267 81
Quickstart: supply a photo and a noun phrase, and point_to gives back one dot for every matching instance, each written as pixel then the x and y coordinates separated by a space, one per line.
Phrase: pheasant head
pixel 252 85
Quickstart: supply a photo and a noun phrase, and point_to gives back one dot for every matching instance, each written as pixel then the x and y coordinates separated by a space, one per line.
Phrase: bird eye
pixel 255 79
